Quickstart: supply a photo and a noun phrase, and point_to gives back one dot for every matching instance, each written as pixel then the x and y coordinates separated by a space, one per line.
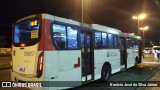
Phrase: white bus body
pixel 50 48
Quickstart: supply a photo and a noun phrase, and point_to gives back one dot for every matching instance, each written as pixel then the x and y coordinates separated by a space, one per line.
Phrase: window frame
pixel 131 44
pixel 66 25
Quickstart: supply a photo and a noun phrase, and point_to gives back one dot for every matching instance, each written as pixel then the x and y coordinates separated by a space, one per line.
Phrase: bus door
pixel 123 56
pixel 87 53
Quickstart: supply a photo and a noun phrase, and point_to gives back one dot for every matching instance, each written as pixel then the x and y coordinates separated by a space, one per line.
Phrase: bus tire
pixel 136 62
pixel 106 72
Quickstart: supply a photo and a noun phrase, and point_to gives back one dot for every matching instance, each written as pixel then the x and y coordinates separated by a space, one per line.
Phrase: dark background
pixel 113 13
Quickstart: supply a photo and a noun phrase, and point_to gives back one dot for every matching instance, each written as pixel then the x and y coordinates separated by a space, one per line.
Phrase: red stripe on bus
pixel 41 42
pixel 78 64
pixel 46 41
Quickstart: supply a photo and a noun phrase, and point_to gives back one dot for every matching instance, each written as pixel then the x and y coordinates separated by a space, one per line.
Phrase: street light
pixel 139 17
pixel 145 28
pixel 142 16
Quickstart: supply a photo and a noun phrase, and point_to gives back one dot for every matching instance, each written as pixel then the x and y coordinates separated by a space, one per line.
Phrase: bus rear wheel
pixel 105 73
pixel 136 62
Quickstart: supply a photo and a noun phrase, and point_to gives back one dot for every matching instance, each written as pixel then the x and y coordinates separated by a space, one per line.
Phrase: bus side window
pixel 98 40
pixel 116 41
pixel 59 35
pixel 72 38
pixel 136 45
pixel 129 43
pixel 133 42
pixel 111 40
pixel 104 40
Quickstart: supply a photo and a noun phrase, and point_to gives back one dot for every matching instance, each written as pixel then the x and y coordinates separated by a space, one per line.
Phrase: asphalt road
pixel 5 62
pixel 148 70
pixel 5 74
pixel 142 73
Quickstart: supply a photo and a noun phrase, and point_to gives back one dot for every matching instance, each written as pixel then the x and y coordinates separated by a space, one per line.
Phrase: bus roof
pixel 133 36
pixel 105 29
pixel 65 20
pixel 60 19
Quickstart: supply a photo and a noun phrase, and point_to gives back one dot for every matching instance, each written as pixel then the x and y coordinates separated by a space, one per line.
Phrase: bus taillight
pixel 40 65
pixel 22 45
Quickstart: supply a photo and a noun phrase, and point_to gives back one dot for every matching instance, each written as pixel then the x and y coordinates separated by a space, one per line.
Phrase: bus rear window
pixel 26 32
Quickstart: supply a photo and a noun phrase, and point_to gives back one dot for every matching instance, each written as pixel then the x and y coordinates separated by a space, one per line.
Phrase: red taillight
pixel 40 65
pixel 22 45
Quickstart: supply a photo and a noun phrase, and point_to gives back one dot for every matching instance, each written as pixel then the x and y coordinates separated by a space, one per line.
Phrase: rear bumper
pixel 16 77
pixel 21 79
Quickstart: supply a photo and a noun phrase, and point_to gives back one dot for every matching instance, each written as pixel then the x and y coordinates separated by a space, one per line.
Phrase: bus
pixel 54 49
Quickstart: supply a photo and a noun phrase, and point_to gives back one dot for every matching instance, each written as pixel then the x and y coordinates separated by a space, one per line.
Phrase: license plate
pixel 21 68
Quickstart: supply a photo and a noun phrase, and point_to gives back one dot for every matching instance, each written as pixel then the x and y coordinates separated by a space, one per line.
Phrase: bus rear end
pixel 27 58
pixel 35 56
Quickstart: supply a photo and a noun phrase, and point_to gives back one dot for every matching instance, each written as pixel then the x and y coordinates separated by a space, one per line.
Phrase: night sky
pixel 113 13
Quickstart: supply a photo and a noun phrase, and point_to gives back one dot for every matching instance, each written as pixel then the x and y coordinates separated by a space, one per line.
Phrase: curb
pixel 151 75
